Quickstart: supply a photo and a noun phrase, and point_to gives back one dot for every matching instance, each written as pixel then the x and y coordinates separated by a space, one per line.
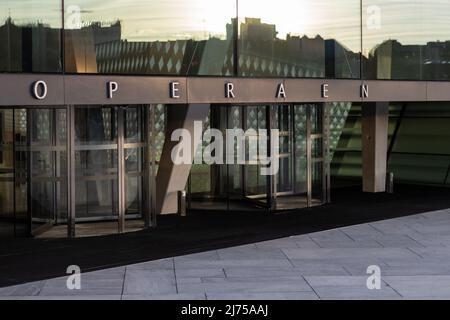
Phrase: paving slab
pixel 413 254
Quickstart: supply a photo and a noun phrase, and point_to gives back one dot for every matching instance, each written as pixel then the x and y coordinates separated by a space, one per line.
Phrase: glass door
pixel 255 185
pixel 301 179
pixel 112 178
pixel 96 157
pixel 136 187
pixel 33 169
pixel 43 165
pixel 318 153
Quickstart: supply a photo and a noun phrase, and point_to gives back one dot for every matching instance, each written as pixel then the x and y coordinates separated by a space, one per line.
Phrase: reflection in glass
pixel 7 214
pixel 406 39
pixel 33 167
pixel 96 162
pixel 134 159
pixel 30 36
pixel 299 38
pixel 177 37
pixel 243 187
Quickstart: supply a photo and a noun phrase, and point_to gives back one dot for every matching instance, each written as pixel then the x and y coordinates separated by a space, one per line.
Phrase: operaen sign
pixel 230 91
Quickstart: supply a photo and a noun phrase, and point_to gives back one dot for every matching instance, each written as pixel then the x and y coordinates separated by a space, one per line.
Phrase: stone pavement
pixel 412 252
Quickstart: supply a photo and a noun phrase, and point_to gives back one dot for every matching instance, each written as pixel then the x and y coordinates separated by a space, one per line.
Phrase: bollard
pixel 182 203
pixel 390 182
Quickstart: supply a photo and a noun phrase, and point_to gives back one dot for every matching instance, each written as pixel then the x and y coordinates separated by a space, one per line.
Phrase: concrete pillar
pixel 375 117
pixel 173 178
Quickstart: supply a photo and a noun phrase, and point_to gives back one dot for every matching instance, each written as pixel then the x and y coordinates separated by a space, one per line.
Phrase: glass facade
pixel 304 39
pixel 117 149
pixel 418 140
pixel 175 37
pixel 111 178
pixel 348 39
pixel 30 36
pixel 406 40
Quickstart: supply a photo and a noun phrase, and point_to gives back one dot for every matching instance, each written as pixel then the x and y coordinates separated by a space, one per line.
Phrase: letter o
pixel 40 90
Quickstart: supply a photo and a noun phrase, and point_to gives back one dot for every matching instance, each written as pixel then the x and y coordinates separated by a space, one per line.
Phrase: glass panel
pixel 179 37
pixel 346 131
pixel 21 156
pixel 421 150
pixel 300 115
pixel 316 119
pixel 160 131
pixel 256 185
pixel 291 191
pixel 33 180
pixel 317 194
pixel 406 39
pixel 299 38
pixel 134 160
pixel 317 148
pixel 201 173
pixel 96 163
pixel 30 36
pixel 283 122
pixel 7 215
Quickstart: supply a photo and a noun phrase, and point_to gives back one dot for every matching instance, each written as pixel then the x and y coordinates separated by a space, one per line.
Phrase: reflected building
pixel 98 49
pixel 392 60
pixel 30 48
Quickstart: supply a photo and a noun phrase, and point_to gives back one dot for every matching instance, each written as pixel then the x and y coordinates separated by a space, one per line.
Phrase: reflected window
pixel 30 36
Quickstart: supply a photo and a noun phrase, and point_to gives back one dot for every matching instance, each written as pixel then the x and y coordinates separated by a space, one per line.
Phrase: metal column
pixel 149 165
pixel 308 157
pixel 121 178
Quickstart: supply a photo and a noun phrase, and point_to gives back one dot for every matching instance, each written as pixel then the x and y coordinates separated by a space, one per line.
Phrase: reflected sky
pixel 410 22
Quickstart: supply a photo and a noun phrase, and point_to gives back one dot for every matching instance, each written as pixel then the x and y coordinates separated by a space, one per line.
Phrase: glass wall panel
pixel 406 39
pixel 345 144
pixel 176 37
pixel 421 147
pixel 30 36
pixel 299 38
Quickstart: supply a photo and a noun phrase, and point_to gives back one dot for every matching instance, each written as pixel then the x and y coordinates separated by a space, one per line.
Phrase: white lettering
pixel 174 90
pixel 325 90
pixel 112 87
pixel 229 90
pixel 281 92
pixel 40 90
pixel 364 91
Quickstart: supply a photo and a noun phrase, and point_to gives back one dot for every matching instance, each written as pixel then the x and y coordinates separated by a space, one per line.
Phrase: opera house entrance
pixel 104 160
pixel 109 151
pixel 300 181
